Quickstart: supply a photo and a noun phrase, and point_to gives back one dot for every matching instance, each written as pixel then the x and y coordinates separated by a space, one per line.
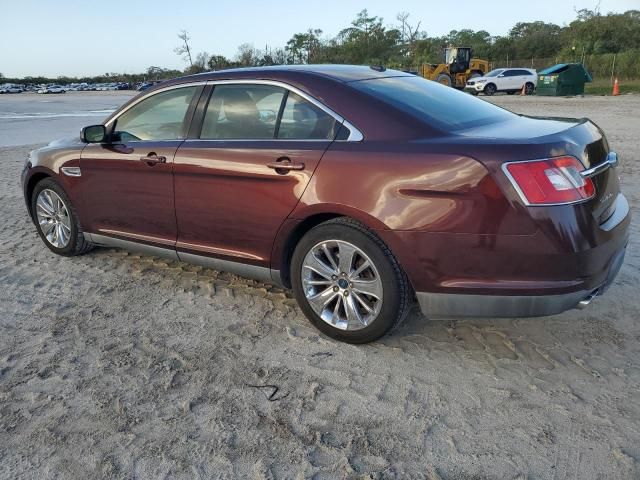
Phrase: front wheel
pixel 444 79
pixel 56 220
pixel 348 283
pixel 490 89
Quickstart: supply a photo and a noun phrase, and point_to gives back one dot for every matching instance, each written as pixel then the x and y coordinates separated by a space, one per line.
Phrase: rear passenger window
pixel 302 120
pixel 247 112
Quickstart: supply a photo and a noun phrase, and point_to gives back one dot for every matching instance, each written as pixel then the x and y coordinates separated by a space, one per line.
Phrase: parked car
pixel 361 189
pixel 145 86
pixel 11 89
pixel 509 80
pixel 52 89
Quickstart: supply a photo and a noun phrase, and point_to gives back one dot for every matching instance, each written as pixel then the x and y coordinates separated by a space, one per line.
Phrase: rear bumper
pixel 513 276
pixel 448 305
pixel 451 305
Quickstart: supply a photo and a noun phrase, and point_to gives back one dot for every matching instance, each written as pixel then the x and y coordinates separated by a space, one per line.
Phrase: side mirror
pixel 94 134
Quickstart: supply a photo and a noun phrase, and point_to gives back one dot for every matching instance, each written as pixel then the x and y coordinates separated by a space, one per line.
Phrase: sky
pixel 89 37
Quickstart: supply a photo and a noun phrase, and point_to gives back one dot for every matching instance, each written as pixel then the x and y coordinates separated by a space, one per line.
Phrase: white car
pixel 52 89
pixel 510 80
pixel 11 89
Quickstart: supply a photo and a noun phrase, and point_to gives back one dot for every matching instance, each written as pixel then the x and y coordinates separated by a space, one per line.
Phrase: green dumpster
pixel 562 80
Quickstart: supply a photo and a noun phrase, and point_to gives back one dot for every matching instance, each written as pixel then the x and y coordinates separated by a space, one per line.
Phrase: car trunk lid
pixel 534 138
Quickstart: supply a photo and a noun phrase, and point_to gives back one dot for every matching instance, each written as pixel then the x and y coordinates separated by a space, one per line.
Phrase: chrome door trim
pixel 137 236
pixel 354 134
pixel 262 274
pixel 105 241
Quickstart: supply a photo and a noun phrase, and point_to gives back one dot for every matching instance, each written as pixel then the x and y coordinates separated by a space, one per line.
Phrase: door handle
pixel 151 159
pixel 283 165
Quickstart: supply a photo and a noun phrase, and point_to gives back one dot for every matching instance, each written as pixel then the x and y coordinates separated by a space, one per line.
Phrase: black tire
pixel 77 244
pixel 444 79
pixel 490 89
pixel 529 88
pixel 396 296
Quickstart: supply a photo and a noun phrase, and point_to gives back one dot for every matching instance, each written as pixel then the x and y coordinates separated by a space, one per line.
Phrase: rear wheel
pixel 56 220
pixel 490 89
pixel 348 283
pixel 529 88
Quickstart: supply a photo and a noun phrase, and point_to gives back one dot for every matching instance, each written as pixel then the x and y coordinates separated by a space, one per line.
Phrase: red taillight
pixel 550 181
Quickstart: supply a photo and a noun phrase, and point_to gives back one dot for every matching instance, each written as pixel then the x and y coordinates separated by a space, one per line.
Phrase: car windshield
pixel 442 107
pixel 495 73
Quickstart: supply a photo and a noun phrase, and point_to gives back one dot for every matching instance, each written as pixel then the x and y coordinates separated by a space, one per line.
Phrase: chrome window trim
pixel 151 94
pixel 354 134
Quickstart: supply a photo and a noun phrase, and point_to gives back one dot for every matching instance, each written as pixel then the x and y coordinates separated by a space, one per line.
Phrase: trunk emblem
pixel 606 197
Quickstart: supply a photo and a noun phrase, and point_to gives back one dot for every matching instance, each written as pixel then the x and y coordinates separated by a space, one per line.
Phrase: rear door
pixel 242 174
pixel 510 80
pixel 522 77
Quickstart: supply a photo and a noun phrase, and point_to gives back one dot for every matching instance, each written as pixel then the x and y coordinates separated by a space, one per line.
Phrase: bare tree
pixel 247 55
pixel 184 50
pixel 408 33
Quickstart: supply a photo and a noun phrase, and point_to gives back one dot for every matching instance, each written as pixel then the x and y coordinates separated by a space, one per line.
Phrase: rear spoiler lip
pixel 610 162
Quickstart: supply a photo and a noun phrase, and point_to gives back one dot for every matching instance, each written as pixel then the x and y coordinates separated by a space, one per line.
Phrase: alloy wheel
pixel 53 218
pixel 342 285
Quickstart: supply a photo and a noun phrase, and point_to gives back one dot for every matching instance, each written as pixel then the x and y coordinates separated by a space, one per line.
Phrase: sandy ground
pixel 114 365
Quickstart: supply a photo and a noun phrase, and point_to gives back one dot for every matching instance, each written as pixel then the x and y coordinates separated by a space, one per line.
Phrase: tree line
pixel 592 37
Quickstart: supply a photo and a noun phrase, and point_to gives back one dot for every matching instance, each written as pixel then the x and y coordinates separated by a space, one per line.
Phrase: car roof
pixel 341 73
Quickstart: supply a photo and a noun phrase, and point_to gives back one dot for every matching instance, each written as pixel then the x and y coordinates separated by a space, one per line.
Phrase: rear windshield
pixel 442 107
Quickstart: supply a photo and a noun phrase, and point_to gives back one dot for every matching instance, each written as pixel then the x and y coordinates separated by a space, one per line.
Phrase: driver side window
pixel 159 117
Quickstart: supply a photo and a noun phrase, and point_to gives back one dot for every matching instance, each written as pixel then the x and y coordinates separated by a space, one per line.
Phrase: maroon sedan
pixel 361 188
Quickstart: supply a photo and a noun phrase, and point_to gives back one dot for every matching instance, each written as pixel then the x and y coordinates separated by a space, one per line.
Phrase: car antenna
pixel 378 68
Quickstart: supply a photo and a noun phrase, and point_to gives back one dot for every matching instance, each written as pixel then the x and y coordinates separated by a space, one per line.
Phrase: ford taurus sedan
pixel 362 189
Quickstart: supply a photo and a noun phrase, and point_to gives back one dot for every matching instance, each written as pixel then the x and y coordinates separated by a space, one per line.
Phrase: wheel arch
pixel 35 178
pixel 495 87
pixel 295 228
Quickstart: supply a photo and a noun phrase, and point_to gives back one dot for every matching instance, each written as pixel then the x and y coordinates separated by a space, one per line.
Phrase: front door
pixel 235 185
pixel 128 183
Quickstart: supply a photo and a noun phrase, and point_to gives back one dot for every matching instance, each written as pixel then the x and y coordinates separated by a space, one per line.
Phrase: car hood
pixel 65 142
pixel 477 79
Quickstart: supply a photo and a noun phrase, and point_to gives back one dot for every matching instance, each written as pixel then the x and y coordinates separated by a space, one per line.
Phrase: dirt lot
pixel 114 365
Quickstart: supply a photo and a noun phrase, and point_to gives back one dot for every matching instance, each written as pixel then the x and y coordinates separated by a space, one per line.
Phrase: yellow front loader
pixel 459 67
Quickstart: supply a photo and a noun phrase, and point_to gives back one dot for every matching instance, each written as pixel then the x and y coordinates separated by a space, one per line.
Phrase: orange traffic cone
pixel 524 90
pixel 616 88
